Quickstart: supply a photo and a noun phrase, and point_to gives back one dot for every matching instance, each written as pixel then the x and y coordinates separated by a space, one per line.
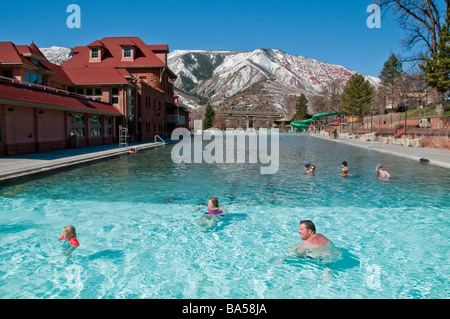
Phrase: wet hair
pixel 344 163
pixel 309 225
pixel 71 229
pixel 214 201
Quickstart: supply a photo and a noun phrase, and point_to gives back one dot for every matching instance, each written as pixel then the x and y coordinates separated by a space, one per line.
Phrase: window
pixel 34 78
pixel 95 53
pixel 108 125
pixel 96 125
pixel 7 73
pixel 127 52
pixel 77 124
pixel 114 96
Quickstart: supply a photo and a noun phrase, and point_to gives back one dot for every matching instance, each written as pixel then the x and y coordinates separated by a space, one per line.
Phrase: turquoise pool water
pixel 140 236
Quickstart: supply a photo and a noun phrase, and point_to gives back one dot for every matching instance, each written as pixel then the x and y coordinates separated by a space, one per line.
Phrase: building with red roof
pixel 111 82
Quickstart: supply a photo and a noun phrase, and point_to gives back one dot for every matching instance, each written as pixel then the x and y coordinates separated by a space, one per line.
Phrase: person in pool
pixel 382 174
pixel 69 236
pixel 311 239
pixel 344 169
pixel 213 207
pixel 314 246
pixel 311 170
pixel 307 165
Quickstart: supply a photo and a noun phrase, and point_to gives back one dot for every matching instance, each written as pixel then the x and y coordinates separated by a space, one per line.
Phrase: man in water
pixel 307 231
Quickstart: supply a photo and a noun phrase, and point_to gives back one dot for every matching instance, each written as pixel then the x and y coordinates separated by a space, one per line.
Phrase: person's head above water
pixel 213 202
pixel 69 232
pixel 306 229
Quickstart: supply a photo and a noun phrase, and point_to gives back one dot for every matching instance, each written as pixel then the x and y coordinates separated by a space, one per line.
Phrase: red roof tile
pixel 10 93
pixel 94 75
pixel 144 56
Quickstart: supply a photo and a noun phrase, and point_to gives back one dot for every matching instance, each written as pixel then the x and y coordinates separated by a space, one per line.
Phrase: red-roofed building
pixel 37 113
pixel 134 77
pixel 109 83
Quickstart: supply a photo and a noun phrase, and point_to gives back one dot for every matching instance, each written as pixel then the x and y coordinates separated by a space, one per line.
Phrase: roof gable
pixel 144 55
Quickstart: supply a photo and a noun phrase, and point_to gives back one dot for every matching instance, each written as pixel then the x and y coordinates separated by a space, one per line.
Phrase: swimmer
pixel 382 174
pixel 133 150
pixel 69 236
pixel 307 165
pixel 213 208
pixel 311 170
pixel 307 231
pixel 315 246
pixel 344 169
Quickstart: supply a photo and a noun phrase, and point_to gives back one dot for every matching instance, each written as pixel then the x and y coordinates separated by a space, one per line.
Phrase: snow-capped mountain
pixel 261 80
pixel 264 79
pixel 57 55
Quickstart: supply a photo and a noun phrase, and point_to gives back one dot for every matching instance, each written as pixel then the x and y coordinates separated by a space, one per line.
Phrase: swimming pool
pixel 140 237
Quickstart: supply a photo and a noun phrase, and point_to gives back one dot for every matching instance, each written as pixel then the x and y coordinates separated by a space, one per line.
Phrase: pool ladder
pixel 157 137
pixel 123 136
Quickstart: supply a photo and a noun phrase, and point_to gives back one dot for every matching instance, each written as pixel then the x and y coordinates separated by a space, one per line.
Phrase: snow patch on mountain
pixel 56 54
pixel 278 76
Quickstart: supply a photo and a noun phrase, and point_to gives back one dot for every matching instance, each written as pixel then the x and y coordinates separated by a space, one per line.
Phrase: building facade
pixel 109 83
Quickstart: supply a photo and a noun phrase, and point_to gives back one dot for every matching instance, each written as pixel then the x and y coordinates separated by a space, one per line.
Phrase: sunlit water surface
pixel 140 236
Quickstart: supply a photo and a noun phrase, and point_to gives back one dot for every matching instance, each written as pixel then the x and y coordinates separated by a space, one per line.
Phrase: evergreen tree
pixel 391 80
pixel 357 96
pixel 392 71
pixel 209 117
pixel 301 107
pixel 436 68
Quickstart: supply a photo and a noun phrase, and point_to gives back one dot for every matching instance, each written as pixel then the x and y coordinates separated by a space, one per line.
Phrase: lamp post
pixel 406 117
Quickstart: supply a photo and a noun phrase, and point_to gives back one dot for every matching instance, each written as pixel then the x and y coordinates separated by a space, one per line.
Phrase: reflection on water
pixel 140 236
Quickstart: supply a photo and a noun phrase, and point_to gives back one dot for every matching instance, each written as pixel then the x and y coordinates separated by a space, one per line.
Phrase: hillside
pixel 261 80
pixel 264 79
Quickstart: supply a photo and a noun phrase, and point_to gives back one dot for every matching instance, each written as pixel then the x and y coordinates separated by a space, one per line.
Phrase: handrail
pixel 159 137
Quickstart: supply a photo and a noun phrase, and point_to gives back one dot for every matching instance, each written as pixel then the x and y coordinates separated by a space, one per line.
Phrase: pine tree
pixel 392 71
pixel 437 67
pixel 391 80
pixel 209 117
pixel 357 96
pixel 301 107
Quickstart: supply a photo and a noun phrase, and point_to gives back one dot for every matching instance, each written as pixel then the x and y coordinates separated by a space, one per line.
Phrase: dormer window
pixel 127 52
pixel 95 53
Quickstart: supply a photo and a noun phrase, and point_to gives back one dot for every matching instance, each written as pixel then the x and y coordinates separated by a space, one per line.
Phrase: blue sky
pixel 331 31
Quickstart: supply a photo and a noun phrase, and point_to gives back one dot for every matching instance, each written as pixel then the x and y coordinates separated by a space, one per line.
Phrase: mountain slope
pixel 265 79
pixel 261 80
pixel 57 55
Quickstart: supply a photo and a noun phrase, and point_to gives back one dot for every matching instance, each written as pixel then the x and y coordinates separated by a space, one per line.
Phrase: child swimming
pixel 69 237
pixel 213 207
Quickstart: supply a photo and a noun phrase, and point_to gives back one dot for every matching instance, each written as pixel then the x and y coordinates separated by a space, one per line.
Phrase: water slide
pixel 306 123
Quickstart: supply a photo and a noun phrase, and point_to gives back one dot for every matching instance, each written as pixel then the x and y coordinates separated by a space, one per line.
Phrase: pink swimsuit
pixel 216 211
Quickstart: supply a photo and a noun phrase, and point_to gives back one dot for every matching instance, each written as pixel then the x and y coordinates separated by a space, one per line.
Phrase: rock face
pixel 262 80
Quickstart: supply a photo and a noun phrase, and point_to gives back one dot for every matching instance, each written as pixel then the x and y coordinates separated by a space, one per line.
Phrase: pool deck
pixel 22 165
pixel 435 156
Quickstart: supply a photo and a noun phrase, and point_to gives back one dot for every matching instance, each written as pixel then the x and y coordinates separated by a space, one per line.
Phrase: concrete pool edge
pixel 436 157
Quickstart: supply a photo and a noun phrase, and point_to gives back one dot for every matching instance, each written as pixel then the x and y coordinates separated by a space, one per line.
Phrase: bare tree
pixel 423 21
